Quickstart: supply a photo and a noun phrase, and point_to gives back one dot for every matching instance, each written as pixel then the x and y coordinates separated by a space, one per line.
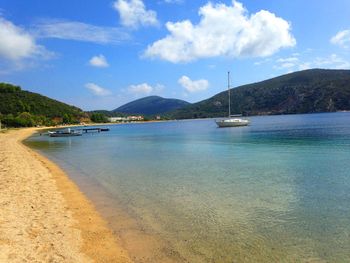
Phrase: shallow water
pixel 278 190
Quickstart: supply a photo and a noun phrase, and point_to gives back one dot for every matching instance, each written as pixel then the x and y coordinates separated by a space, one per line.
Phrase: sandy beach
pixel 44 216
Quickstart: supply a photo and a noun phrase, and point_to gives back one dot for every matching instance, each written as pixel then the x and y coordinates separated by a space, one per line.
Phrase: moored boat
pixel 231 122
pixel 65 133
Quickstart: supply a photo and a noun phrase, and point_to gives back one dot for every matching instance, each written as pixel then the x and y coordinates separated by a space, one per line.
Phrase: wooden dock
pixel 86 130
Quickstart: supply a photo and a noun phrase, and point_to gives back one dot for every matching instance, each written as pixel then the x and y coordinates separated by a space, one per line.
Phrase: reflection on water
pixel 278 190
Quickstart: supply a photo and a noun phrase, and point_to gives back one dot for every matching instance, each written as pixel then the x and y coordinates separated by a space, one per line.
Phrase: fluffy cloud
pixel 71 30
pixel 97 90
pixel 333 61
pixel 99 61
pixel 295 63
pixel 144 89
pixel 193 85
pixel 16 43
pixel 342 39
pixel 133 13
pixel 223 31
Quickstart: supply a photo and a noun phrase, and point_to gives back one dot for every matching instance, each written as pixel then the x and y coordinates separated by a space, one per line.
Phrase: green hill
pixel 23 108
pixel 151 105
pixel 308 91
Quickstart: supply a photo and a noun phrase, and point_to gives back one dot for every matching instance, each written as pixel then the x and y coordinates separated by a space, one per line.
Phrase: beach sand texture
pixel 43 215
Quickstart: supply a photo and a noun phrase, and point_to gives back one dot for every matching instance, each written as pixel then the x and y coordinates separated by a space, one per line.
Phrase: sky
pixel 101 54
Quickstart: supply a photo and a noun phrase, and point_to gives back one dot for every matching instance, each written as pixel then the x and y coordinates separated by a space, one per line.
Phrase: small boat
pixel 230 121
pixel 64 133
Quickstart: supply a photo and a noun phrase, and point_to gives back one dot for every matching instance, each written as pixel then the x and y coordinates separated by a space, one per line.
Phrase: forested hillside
pixel 307 91
pixel 23 108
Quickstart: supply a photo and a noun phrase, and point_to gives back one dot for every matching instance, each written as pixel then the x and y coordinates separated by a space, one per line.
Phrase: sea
pixel 187 191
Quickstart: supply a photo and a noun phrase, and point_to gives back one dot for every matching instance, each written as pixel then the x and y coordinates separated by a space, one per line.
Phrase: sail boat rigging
pixel 231 122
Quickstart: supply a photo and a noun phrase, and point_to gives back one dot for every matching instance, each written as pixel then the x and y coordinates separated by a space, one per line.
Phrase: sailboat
pixel 230 121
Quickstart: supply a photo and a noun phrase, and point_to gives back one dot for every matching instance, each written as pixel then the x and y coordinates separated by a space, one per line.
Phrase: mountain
pixel 151 105
pixel 308 91
pixel 35 108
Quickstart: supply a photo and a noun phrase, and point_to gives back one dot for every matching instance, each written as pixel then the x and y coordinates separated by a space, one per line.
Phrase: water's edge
pixel 141 244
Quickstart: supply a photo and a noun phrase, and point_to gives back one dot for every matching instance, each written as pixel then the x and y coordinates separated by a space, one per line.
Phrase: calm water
pixel 276 191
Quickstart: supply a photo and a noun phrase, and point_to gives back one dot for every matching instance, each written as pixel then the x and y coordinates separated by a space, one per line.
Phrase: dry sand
pixel 43 215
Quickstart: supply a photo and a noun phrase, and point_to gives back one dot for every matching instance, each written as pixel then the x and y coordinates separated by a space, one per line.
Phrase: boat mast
pixel 229 97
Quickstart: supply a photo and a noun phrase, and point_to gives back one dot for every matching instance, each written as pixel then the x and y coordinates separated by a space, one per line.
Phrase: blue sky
pixel 101 54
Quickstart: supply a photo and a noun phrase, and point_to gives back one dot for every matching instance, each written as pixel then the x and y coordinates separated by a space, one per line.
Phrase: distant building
pixel 116 119
pixel 158 117
pixel 135 118
pixel 126 119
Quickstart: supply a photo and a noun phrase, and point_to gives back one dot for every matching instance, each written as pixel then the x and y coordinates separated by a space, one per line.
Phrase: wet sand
pixel 44 216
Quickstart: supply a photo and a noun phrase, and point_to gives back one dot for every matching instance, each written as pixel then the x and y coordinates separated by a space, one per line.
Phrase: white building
pixel 126 119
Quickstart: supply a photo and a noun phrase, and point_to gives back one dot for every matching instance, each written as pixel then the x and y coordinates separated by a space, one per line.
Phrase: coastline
pixel 45 217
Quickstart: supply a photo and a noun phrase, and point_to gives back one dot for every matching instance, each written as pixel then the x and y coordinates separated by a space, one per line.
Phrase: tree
pixel 98 117
pixel 67 118
pixel 8 88
pixel 8 120
pixel 25 119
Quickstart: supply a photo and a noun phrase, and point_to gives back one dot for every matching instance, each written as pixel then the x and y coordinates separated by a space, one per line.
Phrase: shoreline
pixel 142 245
pixel 45 216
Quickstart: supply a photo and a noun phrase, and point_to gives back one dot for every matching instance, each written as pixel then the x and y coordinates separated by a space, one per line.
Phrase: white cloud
pixel 98 61
pixel 71 30
pixel 333 61
pixel 287 63
pixel 17 44
pixel 97 90
pixel 261 62
pixel 140 89
pixel 19 49
pixel 288 60
pixel 144 89
pixel 133 13
pixel 173 1
pixel 342 39
pixel 223 31
pixel 193 85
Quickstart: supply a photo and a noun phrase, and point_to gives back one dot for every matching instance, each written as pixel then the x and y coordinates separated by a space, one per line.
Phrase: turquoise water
pixel 276 191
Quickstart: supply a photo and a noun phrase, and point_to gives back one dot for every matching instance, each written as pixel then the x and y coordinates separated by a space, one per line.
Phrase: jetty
pixel 76 132
pixel 86 130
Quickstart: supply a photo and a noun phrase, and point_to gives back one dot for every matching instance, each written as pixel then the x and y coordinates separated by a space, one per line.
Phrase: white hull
pixel 232 123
